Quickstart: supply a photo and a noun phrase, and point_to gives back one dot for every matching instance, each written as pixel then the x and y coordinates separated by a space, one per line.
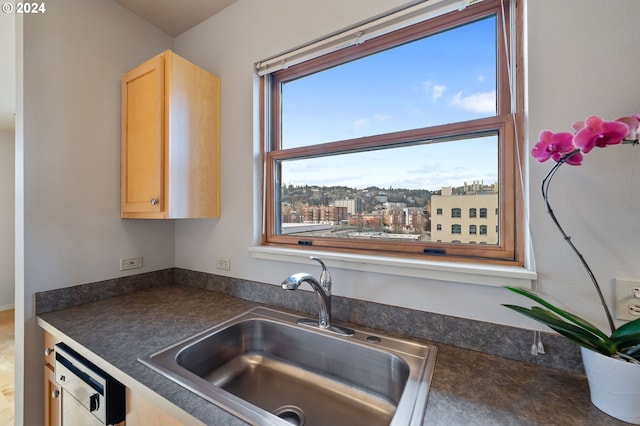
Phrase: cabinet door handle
pixel 48 351
pixel 55 394
pixel 154 201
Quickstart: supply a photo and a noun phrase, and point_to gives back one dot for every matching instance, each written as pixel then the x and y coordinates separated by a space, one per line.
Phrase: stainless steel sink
pixel 266 369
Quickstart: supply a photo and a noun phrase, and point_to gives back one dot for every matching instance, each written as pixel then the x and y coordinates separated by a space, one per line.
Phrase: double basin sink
pixel 266 369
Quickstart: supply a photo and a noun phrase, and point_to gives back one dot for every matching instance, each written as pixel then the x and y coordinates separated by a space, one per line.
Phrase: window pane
pixel 389 193
pixel 398 139
pixel 443 78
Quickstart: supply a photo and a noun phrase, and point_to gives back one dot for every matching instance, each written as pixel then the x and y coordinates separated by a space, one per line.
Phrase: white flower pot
pixel 614 385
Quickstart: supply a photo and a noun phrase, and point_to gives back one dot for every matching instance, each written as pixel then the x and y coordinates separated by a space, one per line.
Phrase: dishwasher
pixel 89 396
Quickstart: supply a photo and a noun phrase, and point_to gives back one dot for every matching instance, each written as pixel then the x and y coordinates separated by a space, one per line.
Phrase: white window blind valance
pixel 397 19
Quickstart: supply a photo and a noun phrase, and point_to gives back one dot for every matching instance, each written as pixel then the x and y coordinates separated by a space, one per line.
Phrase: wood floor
pixel 7 366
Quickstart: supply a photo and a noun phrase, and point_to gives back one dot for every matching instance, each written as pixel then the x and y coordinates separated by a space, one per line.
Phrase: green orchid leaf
pixel 580 322
pixel 589 344
pixel 573 332
pixel 560 325
pixel 629 329
pixel 626 341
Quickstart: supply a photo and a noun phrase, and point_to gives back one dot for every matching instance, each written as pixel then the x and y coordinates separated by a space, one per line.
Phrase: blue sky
pixel 445 78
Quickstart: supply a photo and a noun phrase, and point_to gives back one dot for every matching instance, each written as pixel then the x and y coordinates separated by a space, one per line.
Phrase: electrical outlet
pixel 130 263
pixel 628 299
pixel 223 263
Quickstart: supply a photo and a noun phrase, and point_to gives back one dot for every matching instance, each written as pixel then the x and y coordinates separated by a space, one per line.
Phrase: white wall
pixel 7 201
pixel 577 66
pixel 68 130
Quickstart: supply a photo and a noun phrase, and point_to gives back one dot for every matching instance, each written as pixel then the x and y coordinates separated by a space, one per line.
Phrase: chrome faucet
pixel 322 288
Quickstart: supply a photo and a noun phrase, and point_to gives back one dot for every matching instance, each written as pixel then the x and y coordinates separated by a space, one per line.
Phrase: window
pixel 483 229
pixel 472 230
pixel 363 143
pixel 472 212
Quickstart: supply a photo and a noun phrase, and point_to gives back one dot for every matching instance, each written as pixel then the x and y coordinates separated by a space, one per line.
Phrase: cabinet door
pixel 49 344
pixel 143 139
pixel 141 412
pixel 51 398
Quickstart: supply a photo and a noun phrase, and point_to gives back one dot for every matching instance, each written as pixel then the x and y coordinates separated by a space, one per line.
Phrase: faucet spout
pixel 324 298
pixel 322 289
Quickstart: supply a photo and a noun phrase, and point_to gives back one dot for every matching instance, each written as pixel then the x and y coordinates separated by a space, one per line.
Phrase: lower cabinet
pixel 51 398
pixel 141 412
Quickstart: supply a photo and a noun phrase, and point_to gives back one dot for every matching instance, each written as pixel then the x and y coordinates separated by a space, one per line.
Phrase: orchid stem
pixel 545 195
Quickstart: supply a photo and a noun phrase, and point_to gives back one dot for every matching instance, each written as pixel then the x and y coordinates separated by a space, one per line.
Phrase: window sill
pixel 467 273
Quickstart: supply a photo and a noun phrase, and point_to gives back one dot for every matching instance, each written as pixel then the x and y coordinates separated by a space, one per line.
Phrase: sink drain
pixel 291 414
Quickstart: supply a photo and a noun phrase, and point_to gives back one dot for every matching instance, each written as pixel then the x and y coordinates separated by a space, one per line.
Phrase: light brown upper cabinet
pixel 170 165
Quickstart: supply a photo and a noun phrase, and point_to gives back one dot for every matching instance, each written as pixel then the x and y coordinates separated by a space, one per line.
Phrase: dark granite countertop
pixel 468 387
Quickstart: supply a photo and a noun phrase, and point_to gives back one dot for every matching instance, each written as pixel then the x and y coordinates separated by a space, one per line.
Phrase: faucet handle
pixel 325 277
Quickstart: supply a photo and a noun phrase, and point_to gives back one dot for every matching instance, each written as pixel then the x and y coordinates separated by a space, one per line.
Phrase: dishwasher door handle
pixel 94 402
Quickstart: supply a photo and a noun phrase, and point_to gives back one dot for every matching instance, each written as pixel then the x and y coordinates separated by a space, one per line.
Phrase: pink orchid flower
pixel 555 145
pixel 633 121
pixel 594 131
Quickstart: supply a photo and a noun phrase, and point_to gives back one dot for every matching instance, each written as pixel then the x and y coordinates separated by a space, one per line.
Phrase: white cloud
pixel 438 91
pixel 477 102
pixel 435 91
pixel 427 85
pixel 481 78
pixel 361 123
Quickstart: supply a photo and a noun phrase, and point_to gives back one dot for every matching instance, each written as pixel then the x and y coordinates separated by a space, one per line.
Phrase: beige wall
pixel 68 132
pixel 576 66
pixel 7 70
pixel 7 221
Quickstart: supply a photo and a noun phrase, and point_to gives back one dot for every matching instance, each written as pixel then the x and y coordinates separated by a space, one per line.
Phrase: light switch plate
pixel 223 263
pixel 130 263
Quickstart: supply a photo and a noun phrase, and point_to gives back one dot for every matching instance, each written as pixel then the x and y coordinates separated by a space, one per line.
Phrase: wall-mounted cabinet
pixel 170 158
